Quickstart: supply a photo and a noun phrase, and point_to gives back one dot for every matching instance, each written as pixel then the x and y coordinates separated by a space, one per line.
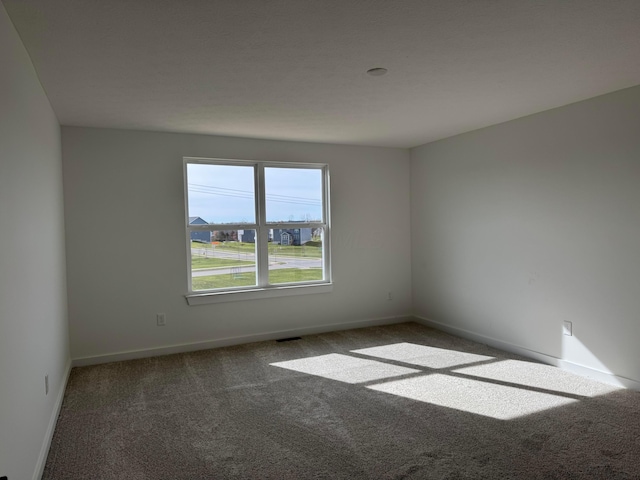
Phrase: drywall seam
pixel 229 341
pixel 48 436
pixel 576 368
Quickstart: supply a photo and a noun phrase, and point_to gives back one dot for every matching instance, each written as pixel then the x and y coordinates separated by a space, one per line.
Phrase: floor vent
pixel 288 339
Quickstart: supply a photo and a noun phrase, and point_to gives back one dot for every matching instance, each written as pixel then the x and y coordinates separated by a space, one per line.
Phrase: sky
pixel 225 193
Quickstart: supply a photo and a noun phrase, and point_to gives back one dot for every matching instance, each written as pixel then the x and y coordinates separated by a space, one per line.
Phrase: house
pixel 292 236
pixel 487 185
pixel 247 236
pixel 203 236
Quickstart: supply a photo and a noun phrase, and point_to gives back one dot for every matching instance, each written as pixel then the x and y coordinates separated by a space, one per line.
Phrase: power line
pixel 209 190
pixel 250 192
pixel 289 202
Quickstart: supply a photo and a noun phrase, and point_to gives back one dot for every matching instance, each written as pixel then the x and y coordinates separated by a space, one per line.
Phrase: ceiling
pixel 296 69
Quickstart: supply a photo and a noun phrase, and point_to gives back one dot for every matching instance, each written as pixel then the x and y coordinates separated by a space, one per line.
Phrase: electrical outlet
pixel 161 319
pixel 390 296
pixel 567 329
pixel 46 384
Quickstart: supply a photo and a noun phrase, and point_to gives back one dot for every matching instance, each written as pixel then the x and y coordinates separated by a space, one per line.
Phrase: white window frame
pixel 263 289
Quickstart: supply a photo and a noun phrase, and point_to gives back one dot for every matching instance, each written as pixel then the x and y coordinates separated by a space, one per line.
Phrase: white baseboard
pixel 229 341
pixel 46 444
pixel 576 368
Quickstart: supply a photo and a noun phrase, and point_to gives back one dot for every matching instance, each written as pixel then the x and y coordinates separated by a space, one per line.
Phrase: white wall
pixel 124 205
pixel 520 226
pixel 33 315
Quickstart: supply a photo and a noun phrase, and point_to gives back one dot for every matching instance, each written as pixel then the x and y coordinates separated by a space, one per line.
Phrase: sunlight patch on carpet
pixel 422 355
pixel 344 368
pixel 539 376
pixel 473 396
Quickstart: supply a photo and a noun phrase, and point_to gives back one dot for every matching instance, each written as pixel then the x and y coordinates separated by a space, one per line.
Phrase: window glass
pixel 295 255
pixel 220 194
pixel 227 261
pixel 293 194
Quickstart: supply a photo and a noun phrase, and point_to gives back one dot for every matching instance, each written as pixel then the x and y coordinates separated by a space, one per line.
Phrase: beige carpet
pixel 395 402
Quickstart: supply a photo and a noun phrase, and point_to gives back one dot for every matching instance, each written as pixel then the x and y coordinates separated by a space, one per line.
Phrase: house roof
pixel 296 69
pixel 197 221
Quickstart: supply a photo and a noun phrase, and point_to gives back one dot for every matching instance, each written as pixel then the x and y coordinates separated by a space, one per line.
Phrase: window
pixel 256 229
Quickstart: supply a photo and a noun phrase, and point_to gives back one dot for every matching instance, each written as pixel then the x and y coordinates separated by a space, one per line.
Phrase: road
pixel 276 262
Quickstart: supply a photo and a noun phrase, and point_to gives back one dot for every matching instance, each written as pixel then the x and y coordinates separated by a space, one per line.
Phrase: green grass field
pixel 198 262
pixel 310 251
pixel 285 275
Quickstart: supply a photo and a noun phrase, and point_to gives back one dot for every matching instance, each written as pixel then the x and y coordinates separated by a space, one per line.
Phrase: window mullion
pixel 326 240
pixel 262 233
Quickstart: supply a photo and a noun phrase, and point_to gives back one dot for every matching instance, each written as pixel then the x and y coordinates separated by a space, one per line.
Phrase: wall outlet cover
pixel 567 329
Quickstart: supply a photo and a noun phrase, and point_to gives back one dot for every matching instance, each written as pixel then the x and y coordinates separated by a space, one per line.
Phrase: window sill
pixel 257 293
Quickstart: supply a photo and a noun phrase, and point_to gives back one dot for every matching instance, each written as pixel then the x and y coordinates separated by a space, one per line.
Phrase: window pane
pixel 293 194
pixel 227 261
pixel 220 194
pixel 295 255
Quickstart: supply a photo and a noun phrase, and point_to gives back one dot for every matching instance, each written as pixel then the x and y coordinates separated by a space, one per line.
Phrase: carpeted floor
pixel 396 402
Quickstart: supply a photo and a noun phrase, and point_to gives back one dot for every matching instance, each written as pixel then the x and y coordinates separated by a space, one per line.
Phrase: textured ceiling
pixel 295 69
